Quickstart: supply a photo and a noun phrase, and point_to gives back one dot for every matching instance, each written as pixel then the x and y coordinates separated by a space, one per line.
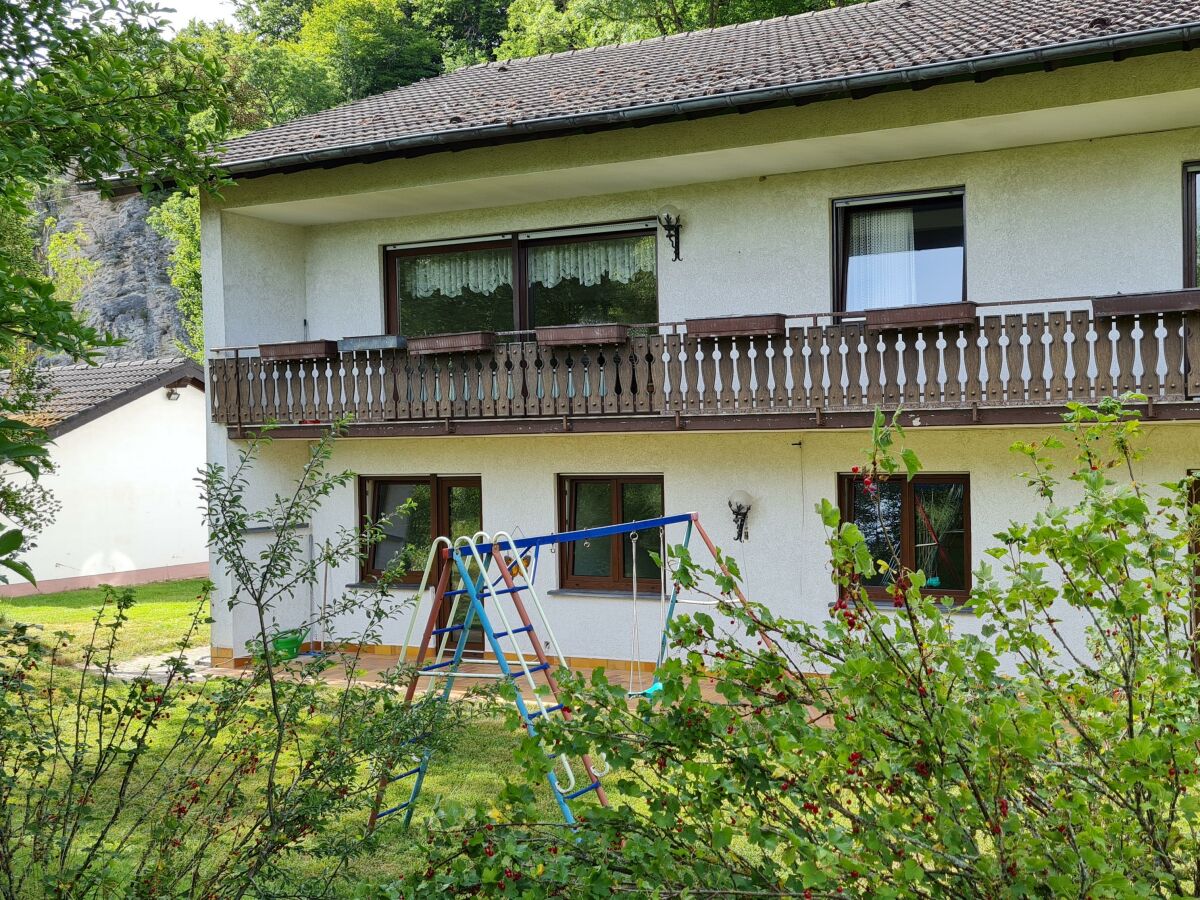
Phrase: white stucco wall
pixel 126 482
pixel 1061 220
pixel 784 560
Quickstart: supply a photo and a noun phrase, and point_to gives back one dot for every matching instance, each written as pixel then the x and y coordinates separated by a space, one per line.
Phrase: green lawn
pixel 472 772
pixel 156 622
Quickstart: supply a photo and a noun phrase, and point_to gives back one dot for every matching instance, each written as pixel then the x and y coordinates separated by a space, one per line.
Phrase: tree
pixel 178 220
pixel 548 26
pixel 89 89
pixel 371 45
pixel 469 30
pixel 268 82
pixel 889 752
pixel 274 20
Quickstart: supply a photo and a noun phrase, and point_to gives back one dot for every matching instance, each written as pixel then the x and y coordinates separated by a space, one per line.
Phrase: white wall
pixel 126 483
pixel 784 561
pixel 1062 220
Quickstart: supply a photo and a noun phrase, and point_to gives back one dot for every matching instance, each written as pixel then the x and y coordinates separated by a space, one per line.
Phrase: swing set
pixel 495 571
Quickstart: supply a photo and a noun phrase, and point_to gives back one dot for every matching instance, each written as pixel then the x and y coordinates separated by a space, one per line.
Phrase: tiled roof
pixel 81 392
pixel 815 54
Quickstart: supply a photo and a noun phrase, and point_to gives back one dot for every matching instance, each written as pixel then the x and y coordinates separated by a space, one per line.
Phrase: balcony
pixel 961 364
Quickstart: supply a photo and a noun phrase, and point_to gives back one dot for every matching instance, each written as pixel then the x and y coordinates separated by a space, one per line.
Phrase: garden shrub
pixel 886 752
pixel 148 788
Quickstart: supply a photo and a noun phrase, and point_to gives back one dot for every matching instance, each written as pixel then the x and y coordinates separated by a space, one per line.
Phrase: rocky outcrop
pixel 130 294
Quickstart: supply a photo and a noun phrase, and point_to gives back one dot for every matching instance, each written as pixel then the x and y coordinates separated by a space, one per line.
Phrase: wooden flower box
pixel 462 342
pixel 761 325
pixel 579 335
pixel 933 316
pixel 296 351
pixel 372 342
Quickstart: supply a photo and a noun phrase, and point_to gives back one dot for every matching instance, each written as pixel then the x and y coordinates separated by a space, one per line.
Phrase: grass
pixel 156 622
pixel 472 772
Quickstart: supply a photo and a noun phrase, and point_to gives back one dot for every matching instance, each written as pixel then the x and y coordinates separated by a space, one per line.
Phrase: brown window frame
pixel 845 483
pixel 841 223
pixel 439 514
pixel 519 247
pixel 1191 172
pixel 618 581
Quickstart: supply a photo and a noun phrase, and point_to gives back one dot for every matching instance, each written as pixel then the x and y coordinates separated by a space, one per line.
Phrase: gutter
pixel 1153 40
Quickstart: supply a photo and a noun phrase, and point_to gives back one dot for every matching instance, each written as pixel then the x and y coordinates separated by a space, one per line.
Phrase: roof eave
pixel 1154 40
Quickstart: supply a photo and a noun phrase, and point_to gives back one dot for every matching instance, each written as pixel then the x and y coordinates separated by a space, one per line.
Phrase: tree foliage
pixel 370 45
pixel 177 219
pixel 890 752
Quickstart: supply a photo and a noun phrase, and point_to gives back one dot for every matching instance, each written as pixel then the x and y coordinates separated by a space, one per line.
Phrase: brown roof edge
pixel 1176 37
pixel 187 373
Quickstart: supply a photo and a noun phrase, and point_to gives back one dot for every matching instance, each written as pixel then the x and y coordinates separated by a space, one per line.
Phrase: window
pixel 418 509
pixel 593 501
pixel 518 283
pixel 1191 226
pixel 900 251
pixel 923 524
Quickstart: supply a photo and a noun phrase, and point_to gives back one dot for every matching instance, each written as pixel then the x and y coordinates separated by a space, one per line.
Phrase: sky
pixel 186 10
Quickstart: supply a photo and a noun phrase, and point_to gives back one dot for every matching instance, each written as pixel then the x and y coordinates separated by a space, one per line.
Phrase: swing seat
pixel 651 691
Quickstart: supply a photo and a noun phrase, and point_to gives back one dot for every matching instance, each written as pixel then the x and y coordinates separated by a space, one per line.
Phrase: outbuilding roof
pixel 80 393
pixel 832 53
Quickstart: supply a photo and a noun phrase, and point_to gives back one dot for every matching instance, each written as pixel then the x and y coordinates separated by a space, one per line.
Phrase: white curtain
pixel 591 261
pixel 882 265
pixel 450 274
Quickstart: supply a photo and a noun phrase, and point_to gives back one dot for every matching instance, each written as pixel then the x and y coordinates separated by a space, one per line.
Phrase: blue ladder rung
pixel 582 791
pixel 446 630
pixel 521 630
pixel 546 712
pixel 440 665
pixel 405 775
pixel 540 667
pixel 487 593
pixel 394 809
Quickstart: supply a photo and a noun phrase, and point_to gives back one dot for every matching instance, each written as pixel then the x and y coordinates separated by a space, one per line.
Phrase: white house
pixel 128 443
pixel 974 210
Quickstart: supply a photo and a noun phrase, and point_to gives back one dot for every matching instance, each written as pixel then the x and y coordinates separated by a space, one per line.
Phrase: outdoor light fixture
pixel 739 504
pixel 172 394
pixel 668 218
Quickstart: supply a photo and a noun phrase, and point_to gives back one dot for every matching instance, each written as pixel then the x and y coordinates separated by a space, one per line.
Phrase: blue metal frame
pixel 567 537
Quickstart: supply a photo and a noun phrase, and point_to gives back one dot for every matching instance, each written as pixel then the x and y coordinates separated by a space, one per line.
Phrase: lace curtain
pixel 486 271
pixel 619 260
pixel 882 268
pixel 451 274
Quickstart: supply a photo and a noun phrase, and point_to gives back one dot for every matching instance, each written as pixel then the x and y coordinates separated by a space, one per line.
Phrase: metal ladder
pixel 514 663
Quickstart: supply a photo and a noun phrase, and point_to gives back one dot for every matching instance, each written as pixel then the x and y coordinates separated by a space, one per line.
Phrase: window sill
pixel 958 609
pixel 592 594
pixel 364 585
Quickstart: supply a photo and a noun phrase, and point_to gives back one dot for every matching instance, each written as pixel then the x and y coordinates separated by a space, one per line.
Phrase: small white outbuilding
pixel 128 441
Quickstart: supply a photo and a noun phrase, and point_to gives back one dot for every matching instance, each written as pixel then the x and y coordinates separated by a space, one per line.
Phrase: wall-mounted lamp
pixel 739 504
pixel 668 219
pixel 172 394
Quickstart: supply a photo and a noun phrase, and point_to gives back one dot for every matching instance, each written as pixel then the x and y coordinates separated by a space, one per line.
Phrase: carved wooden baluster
pixel 737 396
pixel 1058 354
pixel 1106 379
pixel 1131 344
pixel 692 352
pixel 1172 356
pixel 777 365
pixel 916 372
pixel 1191 343
pixel 1080 381
pixel 672 387
pixel 1039 384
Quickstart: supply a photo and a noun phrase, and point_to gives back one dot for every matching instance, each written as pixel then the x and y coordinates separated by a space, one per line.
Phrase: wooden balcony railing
pixel 1003 357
